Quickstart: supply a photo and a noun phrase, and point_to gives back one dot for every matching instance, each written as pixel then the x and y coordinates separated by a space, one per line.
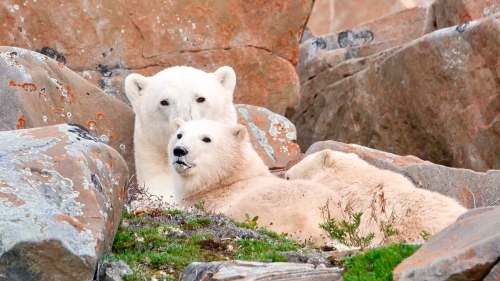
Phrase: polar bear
pixel 176 92
pixel 384 196
pixel 215 163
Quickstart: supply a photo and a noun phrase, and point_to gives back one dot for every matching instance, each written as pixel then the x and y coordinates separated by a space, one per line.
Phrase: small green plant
pixel 376 264
pixel 198 222
pixel 250 222
pixel 200 205
pixel 388 230
pixel 425 235
pixel 266 250
pixel 346 231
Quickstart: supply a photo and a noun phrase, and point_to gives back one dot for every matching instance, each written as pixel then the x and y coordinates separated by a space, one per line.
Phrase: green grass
pixel 164 245
pixel 376 264
pixel 269 250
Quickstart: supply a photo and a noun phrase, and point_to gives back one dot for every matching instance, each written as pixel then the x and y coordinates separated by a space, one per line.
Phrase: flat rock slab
pixel 254 271
pixel 61 196
pixel 466 250
pixel 472 189
pixel 36 91
pixel 273 136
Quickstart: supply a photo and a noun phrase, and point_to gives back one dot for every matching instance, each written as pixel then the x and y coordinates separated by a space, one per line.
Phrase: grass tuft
pixel 376 264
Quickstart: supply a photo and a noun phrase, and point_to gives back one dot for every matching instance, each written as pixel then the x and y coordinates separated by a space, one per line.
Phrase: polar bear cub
pixel 176 92
pixel 382 195
pixel 216 163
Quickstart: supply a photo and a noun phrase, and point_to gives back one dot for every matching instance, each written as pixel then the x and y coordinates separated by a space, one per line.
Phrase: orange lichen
pixel 71 220
pixel 91 124
pixel 21 122
pixel 28 87
pixel 99 115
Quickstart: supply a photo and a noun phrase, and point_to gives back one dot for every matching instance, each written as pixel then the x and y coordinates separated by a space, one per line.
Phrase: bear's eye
pixel 179 136
pixel 206 139
pixel 164 102
pixel 200 99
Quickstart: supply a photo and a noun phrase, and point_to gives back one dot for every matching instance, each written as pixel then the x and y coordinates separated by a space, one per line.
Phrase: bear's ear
pixel 239 132
pixel 178 123
pixel 327 158
pixel 134 86
pixel 227 77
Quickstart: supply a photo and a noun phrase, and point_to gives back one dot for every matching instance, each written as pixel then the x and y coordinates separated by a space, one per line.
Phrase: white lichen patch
pixel 45 194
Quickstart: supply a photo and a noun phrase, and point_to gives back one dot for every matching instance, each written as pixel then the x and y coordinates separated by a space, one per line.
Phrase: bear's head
pixel 325 160
pixel 182 92
pixel 206 152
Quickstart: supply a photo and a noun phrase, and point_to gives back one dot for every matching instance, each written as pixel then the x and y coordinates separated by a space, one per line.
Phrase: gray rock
pixel 472 189
pixel 61 196
pixel 494 274
pixel 466 250
pixel 250 271
pixel 114 271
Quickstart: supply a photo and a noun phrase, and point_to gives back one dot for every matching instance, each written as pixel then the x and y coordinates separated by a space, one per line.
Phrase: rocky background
pixel 383 79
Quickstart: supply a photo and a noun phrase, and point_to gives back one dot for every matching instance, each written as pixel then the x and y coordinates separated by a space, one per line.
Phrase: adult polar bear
pixel 176 92
pixel 216 163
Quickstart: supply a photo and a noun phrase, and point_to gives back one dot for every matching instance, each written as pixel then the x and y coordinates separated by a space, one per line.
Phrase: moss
pixel 376 264
pixel 268 250
pixel 161 246
pixel 196 223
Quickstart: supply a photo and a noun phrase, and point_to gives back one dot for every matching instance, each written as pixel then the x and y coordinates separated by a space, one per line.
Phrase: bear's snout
pixel 180 151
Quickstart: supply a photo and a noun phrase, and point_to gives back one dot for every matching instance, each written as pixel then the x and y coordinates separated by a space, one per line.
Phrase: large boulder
pixel 472 189
pixel 107 40
pixel 61 196
pixel 437 97
pixel 466 250
pixel 254 271
pixel 38 91
pixel 272 135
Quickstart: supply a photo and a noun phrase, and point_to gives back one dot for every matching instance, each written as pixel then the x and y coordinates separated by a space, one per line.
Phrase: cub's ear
pixel 327 158
pixel 227 77
pixel 239 132
pixel 134 86
pixel 178 123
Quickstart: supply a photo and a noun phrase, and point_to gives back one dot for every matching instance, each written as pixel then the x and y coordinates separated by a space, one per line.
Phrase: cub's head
pixel 183 92
pixel 206 150
pixel 321 161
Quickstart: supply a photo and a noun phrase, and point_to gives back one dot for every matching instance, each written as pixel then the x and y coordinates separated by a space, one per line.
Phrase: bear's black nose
pixel 180 151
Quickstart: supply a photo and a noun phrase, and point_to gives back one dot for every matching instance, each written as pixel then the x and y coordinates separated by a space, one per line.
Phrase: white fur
pixel 228 175
pixel 381 195
pixel 180 86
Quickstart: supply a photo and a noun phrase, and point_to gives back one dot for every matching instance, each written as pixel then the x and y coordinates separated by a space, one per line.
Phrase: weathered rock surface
pixel 330 16
pixel 494 274
pixel 320 53
pixel 106 40
pixel 472 189
pixel 114 271
pixel 466 250
pixel 437 97
pixel 253 271
pixel 272 135
pixel 38 91
pixel 446 13
pixel 61 196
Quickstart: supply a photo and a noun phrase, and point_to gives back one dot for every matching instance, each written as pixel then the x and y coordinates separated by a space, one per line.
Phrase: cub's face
pixel 205 148
pixel 182 92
